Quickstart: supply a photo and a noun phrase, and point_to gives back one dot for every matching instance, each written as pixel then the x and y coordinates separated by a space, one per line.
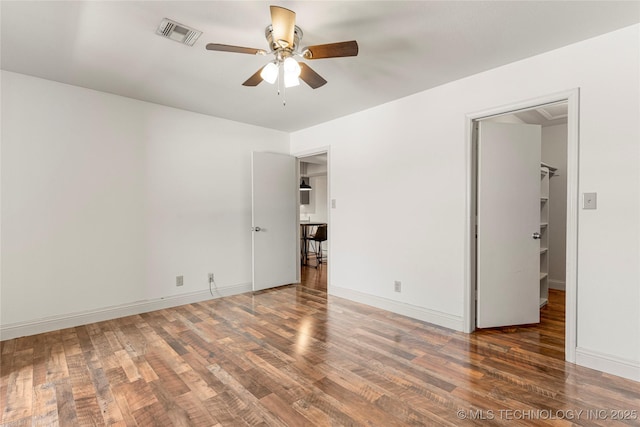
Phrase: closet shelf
pixel 546 172
pixel 553 171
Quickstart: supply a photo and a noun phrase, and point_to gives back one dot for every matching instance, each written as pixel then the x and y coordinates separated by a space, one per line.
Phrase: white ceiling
pixel 405 47
pixel 547 115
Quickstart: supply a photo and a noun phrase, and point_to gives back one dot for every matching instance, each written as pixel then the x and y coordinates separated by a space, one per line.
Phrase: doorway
pixel 524 112
pixel 313 218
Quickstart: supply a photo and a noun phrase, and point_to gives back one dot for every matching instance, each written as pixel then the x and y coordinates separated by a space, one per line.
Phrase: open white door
pixel 508 200
pixel 273 219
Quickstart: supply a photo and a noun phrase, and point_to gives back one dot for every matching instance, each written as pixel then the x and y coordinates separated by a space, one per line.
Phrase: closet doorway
pixel 522 242
pixel 314 220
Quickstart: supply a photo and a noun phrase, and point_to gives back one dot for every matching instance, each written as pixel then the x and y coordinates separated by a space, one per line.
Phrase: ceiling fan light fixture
pixel 269 73
pixel 291 80
pixel 291 70
pixel 291 67
pixel 304 186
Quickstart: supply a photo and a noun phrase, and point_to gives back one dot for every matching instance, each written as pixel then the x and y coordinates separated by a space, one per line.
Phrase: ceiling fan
pixel 283 36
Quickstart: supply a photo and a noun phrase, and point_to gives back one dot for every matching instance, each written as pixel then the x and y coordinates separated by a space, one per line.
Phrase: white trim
pixel 606 363
pixel 326 149
pixel 253 222
pixel 573 198
pixel 572 97
pixel 469 295
pixel 47 324
pixel 557 284
pixel 410 310
pixel 313 152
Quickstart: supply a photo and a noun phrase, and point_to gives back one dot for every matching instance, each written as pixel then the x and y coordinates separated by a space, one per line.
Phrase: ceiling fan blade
pixel 254 80
pixel 310 77
pixel 237 49
pixel 283 22
pixel 331 50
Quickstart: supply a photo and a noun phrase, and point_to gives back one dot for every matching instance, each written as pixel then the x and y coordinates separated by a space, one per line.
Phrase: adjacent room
pixel 319 213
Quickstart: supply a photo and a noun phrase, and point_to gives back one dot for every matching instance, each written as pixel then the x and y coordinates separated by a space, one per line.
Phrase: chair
pixel 316 242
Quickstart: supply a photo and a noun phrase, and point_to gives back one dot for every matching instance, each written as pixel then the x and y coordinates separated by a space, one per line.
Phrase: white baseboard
pixel 606 363
pixel 557 284
pixel 409 310
pixel 53 323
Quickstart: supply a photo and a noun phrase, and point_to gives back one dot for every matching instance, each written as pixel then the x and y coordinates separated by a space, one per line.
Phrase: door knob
pixel 255 229
pixel 536 235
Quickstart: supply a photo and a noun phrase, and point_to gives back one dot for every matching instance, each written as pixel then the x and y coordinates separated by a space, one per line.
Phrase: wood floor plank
pixel 67 411
pixel 171 381
pixel 19 386
pixel 196 412
pixel 296 356
pixel 137 394
pixel 45 406
pixel 285 412
pixel 219 409
pixel 237 391
pixel 123 404
pixel 56 362
pixel 152 415
pixel 88 411
pixel 358 407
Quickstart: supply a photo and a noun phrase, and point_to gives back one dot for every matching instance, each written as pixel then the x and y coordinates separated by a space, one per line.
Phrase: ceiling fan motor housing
pixel 275 46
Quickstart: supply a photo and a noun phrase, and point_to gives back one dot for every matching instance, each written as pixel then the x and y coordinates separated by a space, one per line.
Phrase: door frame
pixel 299 155
pixel 572 97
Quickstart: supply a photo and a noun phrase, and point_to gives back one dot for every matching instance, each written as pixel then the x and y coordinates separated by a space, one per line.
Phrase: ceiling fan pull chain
pixel 279 77
pixel 284 95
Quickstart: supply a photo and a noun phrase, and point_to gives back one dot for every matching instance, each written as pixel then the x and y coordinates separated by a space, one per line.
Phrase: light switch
pixel 333 203
pixel 589 200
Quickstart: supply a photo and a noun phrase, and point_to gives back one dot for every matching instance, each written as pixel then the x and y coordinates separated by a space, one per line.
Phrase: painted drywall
pixel 411 155
pixel 105 199
pixel 316 210
pixel 554 153
pixel 319 184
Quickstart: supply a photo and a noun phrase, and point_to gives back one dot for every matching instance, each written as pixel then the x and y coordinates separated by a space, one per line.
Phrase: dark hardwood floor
pixel 546 338
pixel 295 356
pixel 314 278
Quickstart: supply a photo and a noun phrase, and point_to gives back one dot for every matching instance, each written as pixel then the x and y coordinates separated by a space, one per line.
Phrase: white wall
pixel 411 155
pixel 554 153
pixel 316 210
pixel 105 200
pixel 319 184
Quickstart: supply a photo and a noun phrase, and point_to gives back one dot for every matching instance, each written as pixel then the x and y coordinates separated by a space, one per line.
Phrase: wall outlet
pixel 179 280
pixel 211 279
pixel 397 286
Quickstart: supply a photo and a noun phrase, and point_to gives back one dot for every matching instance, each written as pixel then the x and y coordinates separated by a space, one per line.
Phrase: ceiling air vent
pixel 178 32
